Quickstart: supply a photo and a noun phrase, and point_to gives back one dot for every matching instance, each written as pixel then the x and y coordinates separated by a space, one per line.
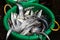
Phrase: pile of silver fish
pixel 28 22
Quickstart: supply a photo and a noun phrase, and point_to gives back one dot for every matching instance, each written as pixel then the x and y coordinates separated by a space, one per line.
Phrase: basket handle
pixel 7 5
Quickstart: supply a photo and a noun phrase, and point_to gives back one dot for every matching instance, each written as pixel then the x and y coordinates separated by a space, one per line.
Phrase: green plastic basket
pixel 16 36
pixel 13 2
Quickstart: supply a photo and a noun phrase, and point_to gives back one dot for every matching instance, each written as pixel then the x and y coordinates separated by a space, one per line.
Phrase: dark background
pixel 54 5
